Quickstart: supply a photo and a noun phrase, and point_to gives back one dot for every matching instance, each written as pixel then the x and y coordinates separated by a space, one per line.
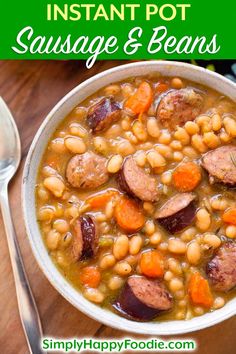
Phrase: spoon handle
pixel 27 308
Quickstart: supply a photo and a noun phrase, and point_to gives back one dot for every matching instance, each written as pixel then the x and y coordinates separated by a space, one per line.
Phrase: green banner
pixel 93 30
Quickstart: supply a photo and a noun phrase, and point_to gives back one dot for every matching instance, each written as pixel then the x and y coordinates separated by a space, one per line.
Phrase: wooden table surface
pixel 31 89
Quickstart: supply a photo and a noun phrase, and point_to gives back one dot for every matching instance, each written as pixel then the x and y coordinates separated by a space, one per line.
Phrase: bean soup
pixel 136 201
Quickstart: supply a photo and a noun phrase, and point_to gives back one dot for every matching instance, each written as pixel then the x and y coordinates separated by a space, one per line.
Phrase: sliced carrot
pixel 161 87
pixel 186 177
pixel 199 291
pixel 152 264
pixel 99 201
pixel 141 100
pixel 229 216
pixel 90 276
pixel 129 215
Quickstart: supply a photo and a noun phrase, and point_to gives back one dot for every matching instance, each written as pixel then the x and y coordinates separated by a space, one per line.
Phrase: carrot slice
pixel 229 216
pixel 90 276
pixel 152 264
pixel 99 201
pixel 199 291
pixel 141 100
pixel 186 177
pixel 129 215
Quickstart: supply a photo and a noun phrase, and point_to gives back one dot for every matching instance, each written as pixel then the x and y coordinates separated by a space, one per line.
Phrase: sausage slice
pixel 103 114
pixel 221 165
pixel 85 243
pixel 221 270
pixel 133 180
pixel 176 107
pixel 142 299
pixel 177 213
pixel 87 170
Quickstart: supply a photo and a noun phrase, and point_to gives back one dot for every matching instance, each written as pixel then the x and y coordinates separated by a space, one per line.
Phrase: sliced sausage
pixel 177 213
pixel 176 107
pixel 221 270
pixel 103 114
pixel 87 170
pixel 142 299
pixel 221 165
pixel 136 182
pixel 85 243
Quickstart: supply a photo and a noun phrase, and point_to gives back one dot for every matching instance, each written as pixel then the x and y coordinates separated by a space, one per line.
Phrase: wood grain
pixel 31 89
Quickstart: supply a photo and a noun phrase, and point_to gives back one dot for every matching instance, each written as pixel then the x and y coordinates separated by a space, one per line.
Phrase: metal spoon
pixel 10 156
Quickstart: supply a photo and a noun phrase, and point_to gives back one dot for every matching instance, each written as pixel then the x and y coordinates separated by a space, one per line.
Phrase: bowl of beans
pixel 129 197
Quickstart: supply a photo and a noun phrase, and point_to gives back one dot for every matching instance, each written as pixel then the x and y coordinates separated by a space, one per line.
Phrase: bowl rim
pixel 58 281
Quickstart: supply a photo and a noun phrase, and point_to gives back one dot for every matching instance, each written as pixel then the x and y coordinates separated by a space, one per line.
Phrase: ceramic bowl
pixel 66 104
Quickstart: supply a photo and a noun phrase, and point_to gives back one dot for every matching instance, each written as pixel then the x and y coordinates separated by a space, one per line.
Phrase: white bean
pixel 46 213
pixel 155 238
pixel 168 275
pixel 155 159
pixel 140 158
pixel 75 145
pixel 149 227
pixel 177 246
pixel 191 128
pixel 52 240
pixel 166 178
pixel 188 234
pixel 178 156
pixel 219 203
pixel 43 194
pixel 165 138
pixel 131 137
pixel 212 240
pixel 54 185
pixel 218 303
pixel 135 244
pixel 182 135
pixel 126 123
pixel 193 252
pixel 190 152
pixel 100 145
pixel 174 266
pixel 123 268
pixel 109 209
pixel 107 261
pixel 115 282
pixel 152 127
pixel 114 163
pixel 230 126
pixel 78 130
pixel 125 148
pixel 203 219
pixel 121 247
pixel 198 143
pixel 139 130
pixel 175 284
pixel 94 295
pixel 61 226
pixel 230 231
pixel 177 83
pixel 176 145
pixel 164 150
pixel 216 122
pixel 211 140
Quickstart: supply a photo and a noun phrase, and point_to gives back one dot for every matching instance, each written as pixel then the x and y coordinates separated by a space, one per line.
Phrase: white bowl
pixel 36 151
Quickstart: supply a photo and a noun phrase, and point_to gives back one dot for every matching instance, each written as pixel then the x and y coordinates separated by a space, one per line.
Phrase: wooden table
pixel 31 89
